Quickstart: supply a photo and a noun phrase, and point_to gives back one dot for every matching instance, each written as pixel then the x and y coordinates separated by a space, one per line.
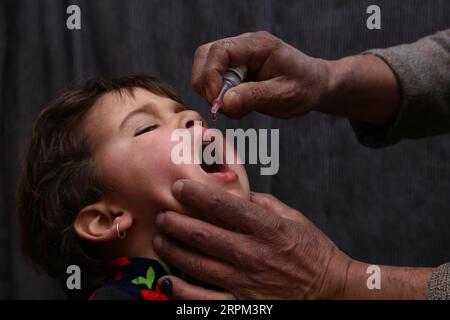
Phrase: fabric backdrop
pixel 388 206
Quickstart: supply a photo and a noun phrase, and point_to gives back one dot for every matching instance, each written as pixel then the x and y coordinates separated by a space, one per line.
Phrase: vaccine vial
pixel 231 78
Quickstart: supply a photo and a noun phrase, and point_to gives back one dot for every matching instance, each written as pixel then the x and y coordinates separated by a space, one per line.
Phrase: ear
pixel 98 222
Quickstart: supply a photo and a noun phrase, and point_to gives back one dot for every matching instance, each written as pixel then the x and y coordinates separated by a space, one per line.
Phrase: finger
pixel 263 96
pixel 216 63
pixel 197 68
pixel 247 97
pixel 274 205
pixel 204 237
pixel 198 266
pixel 181 290
pixel 251 49
pixel 214 205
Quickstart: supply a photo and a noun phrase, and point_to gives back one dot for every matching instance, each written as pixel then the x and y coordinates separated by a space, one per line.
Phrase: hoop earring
pixel 120 236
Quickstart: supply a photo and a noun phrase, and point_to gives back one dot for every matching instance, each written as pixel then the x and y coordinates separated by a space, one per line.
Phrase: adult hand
pixel 276 254
pixel 289 83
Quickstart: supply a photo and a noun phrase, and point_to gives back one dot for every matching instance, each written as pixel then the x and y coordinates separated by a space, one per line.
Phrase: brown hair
pixel 58 179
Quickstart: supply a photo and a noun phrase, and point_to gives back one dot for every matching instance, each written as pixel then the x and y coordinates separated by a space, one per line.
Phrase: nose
pixel 186 119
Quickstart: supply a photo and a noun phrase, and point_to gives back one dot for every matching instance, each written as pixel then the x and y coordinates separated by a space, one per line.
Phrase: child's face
pixel 132 151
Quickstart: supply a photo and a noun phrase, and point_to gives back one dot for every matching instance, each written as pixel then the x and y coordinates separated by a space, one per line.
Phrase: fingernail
pixel 160 218
pixel 209 97
pixel 177 188
pixel 157 240
pixel 212 88
pixel 166 286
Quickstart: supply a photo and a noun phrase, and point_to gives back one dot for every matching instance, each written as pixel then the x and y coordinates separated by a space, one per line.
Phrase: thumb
pixel 272 204
pixel 267 201
pixel 250 96
pixel 178 289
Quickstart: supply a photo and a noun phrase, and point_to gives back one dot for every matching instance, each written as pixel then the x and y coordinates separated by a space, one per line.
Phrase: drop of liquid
pixel 214 116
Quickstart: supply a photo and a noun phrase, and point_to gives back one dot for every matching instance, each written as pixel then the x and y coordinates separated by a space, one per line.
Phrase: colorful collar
pixel 137 277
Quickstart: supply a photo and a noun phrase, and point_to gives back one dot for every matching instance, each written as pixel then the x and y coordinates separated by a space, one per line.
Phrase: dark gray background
pixel 387 206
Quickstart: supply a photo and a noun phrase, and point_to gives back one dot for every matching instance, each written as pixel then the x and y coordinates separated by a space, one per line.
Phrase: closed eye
pixel 146 129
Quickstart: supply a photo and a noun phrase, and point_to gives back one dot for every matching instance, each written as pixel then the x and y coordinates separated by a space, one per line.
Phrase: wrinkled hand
pixel 277 253
pixel 288 82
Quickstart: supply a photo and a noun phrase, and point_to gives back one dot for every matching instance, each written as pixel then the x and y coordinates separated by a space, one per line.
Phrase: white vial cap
pixel 241 71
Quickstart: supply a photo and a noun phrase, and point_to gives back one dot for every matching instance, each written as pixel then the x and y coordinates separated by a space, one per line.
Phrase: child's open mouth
pixel 220 171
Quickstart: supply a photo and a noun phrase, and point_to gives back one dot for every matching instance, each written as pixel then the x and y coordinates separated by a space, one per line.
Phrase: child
pixel 97 171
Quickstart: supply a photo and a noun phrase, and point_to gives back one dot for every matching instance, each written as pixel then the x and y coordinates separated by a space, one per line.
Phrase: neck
pixel 138 242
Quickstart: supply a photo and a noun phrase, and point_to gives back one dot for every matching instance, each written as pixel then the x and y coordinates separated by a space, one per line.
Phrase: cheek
pixel 142 170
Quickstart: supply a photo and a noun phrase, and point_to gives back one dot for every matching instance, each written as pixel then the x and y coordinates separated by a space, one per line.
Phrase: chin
pixel 243 187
